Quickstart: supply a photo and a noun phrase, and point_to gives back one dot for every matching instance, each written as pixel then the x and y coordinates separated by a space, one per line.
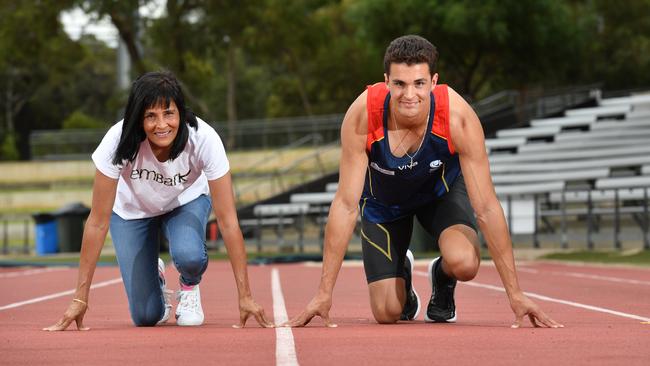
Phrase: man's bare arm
pixel 469 141
pixel 343 211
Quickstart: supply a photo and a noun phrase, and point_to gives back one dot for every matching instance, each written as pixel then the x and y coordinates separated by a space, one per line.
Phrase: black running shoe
pixel 441 308
pixel 412 304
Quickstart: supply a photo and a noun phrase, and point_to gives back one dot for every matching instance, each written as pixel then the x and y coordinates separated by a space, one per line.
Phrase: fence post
pixel 565 243
pixel 617 223
pixel 301 234
pixel 646 234
pixel 281 230
pixel 26 237
pixel 590 241
pixel 259 233
pixel 535 218
pixel 5 242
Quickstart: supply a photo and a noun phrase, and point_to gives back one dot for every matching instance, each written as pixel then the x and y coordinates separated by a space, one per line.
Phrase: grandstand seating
pixel 592 161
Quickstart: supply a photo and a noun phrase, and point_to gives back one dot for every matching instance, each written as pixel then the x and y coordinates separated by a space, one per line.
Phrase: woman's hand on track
pixel 75 312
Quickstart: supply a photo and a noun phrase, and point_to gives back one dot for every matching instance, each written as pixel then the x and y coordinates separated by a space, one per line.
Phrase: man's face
pixel 410 87
pixel 161 125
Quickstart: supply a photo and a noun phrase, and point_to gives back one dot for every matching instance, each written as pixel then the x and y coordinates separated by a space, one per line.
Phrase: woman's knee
pixel 191 263
pixel 143 317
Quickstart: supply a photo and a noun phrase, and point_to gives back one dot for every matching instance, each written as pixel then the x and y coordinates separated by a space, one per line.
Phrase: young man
pixel 411 148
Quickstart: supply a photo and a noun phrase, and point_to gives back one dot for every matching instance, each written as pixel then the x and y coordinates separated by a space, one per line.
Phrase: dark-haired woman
pixel 160 169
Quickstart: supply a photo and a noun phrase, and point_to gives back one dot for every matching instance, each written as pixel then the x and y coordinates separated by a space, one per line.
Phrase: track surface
pixel 605 310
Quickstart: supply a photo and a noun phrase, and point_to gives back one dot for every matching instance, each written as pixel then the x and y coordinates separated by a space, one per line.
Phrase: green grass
pixel 611 257
pixel 55 260
pixel 72 259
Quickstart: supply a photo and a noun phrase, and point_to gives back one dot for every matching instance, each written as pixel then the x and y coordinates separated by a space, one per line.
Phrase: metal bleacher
pixel 598 160
pixel 581 179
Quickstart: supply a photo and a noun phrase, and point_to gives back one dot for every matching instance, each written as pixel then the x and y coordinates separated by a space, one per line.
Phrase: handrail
pixel 249 170
pixel 276 176
pixel 280 132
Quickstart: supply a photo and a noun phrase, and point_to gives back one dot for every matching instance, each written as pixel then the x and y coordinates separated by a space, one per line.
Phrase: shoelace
pixel 167 293
pixel 187 300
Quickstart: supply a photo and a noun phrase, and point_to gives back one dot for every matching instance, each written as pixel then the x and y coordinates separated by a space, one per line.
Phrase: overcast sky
pixel 76 22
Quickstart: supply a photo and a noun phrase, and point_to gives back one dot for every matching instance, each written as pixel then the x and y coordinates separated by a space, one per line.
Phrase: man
pixel 411 148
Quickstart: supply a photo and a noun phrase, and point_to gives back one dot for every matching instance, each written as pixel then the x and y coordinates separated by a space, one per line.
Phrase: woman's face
pixel 161 127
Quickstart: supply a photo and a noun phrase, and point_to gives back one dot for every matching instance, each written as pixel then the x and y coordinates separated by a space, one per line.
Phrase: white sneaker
pixel 189 311
pixel 167 294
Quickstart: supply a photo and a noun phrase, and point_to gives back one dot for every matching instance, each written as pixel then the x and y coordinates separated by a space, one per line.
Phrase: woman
pixel 160 169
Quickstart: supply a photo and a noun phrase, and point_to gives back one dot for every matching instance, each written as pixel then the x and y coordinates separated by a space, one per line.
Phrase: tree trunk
pixel 231 98
pixel 127 27
pixel 302 90
pixel 7 127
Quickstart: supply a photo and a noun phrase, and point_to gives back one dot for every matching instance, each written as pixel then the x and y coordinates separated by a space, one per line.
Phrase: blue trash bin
pixel 47 241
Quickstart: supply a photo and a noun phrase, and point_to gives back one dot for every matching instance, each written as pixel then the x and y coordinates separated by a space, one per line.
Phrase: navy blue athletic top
pixel 393 187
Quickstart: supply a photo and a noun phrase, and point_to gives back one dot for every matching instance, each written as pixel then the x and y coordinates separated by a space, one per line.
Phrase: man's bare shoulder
pixel 464 124
pixel 356 118
pixel 458 106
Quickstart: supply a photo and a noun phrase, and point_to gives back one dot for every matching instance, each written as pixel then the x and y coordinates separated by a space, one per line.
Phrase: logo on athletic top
pixel 435 165
pixel 380 169
pixel 147 174
pixel 410 165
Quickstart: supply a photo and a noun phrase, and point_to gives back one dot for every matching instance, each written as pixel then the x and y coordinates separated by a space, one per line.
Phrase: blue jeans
pixel 136 245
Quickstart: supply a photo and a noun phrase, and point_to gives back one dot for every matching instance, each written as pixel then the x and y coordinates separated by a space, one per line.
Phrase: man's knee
pixel 463 268
pixel 386 317
pixel 387 312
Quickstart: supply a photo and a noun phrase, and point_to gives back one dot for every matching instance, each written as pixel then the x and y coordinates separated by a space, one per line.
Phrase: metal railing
pixel 510 109
pixel 15 235
pixel 587 219
pixel 262 185
pixel 255 134
pixel 252 134
pixel 590 224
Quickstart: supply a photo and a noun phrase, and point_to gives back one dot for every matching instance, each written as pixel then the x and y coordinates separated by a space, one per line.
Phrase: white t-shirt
pixel 148 187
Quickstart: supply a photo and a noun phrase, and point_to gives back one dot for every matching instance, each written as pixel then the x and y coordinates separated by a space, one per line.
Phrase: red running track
pixel 604 309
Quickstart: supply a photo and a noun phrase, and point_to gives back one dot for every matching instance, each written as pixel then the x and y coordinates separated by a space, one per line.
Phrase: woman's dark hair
pixel 150 90
pixel 410 50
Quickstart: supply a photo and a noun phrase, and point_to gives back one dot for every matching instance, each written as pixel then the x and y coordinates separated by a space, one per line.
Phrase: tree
pixel 46 75
pixel 34 48
pixel 125 17
pixel 484 46
pixel 621 53
pixel 316 64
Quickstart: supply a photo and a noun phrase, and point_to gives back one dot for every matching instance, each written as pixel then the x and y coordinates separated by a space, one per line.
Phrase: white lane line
pixel 285 349
pixel 559 301
pixel 587 276
pixel 28 272
pixel 528 270
pixel 58 294
pixel 604 278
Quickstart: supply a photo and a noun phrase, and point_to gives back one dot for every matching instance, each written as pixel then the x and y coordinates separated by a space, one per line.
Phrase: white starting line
pixel 31 272
pixel 59 294
pixel 285 349
pixel 552 299
pixel 587 276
